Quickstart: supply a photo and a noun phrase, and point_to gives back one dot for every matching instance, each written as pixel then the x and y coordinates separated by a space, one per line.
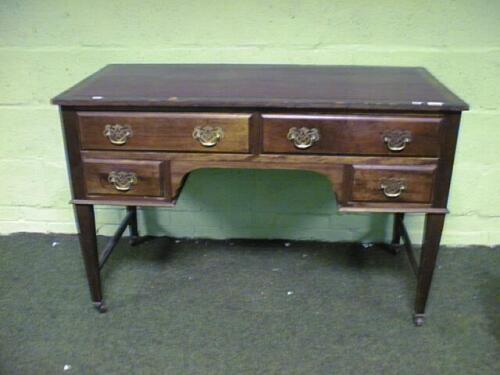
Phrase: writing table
pixel 384 137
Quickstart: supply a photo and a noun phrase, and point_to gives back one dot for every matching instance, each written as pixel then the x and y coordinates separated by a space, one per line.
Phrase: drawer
pixel 351 134
pixel 392 183
pixel 124 177
pixel 202 132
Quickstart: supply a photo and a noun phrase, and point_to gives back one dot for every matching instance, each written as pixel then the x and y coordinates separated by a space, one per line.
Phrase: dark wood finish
pixel 149 177
pixel 221 158
pixel 367 180
pixel 353 207
pixel 352 134
pixel 448 141
pixel 110 246
pixel 265 86
pixel 164 131
pixel 335 168
pixel 125 201
pixel 86 229
pixel 430 247
pixel 352 109
pixel 134 231
pixel 180 169
pixel 407 244
pixel 74 163
pixel 397 230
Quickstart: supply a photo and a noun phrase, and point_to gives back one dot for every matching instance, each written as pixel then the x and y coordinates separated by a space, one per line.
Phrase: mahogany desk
pixel 384 136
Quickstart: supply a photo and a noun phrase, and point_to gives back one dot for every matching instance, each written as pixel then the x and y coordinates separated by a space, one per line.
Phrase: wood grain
pixel 367 179
pixel 352 108
pixel 263 158
pixel 263 86
pixel 148 172
pixel 164 131
pixel 180 169
pixel 336 168
pixel 352 134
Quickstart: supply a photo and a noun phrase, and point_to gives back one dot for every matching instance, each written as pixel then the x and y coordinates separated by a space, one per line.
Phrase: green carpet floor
pixel 199 307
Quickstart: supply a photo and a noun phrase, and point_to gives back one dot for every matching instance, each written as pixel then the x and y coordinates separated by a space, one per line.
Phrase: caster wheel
pixel 392 248
pixel 395 248
pixel 418 319
pixel 101 307
pixel 134 240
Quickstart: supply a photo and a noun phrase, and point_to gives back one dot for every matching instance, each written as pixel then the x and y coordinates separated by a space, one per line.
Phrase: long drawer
pixel 352 134
pixel 198 132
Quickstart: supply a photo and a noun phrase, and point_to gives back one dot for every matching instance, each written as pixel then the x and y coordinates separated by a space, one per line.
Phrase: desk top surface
pixel 263 86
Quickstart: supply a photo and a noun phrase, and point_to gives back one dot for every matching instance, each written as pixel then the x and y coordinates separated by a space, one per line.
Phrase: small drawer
pixel 392 183
pixel 124 177
pixel 351 134
pixel 199 132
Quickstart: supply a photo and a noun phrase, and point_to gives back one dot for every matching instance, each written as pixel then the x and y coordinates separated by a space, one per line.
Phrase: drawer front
pixel 351 134
pixel 394 183
pixel 124 177
pixel 201 132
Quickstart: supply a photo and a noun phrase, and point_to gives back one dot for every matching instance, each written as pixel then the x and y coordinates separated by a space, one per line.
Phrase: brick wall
pixel 46 46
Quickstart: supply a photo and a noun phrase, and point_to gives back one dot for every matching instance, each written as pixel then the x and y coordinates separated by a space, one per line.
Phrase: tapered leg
pixel 430 247
pixel 134 233
pixel 88 245
pixel 397 232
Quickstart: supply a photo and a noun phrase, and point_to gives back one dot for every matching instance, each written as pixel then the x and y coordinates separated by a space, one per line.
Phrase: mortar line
pixel 316 46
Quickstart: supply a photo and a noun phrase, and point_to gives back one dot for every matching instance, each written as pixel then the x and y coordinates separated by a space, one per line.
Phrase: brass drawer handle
pixel 207 135
pixel 118 134
pixel 122 181
pixel 303 138
pixel 396 140
pixel 392 187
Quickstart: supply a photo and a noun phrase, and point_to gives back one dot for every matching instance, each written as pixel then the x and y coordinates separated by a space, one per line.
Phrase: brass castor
pixel 101 307
pixel 418 319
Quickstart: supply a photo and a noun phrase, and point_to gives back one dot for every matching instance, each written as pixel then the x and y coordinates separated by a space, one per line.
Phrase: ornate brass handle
pixel 122 181
pixel 392 187
pixel 396 140
pixel 118 134
pixel 303 138
pixel 207 135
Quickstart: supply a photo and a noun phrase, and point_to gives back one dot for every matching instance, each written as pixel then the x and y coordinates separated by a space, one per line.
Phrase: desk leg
pixel 134 233
pixel 430 247
pixel 88 244
pixel 397 231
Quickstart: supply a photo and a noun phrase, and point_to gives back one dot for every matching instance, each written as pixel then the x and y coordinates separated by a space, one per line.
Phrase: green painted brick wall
pixel 46 46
